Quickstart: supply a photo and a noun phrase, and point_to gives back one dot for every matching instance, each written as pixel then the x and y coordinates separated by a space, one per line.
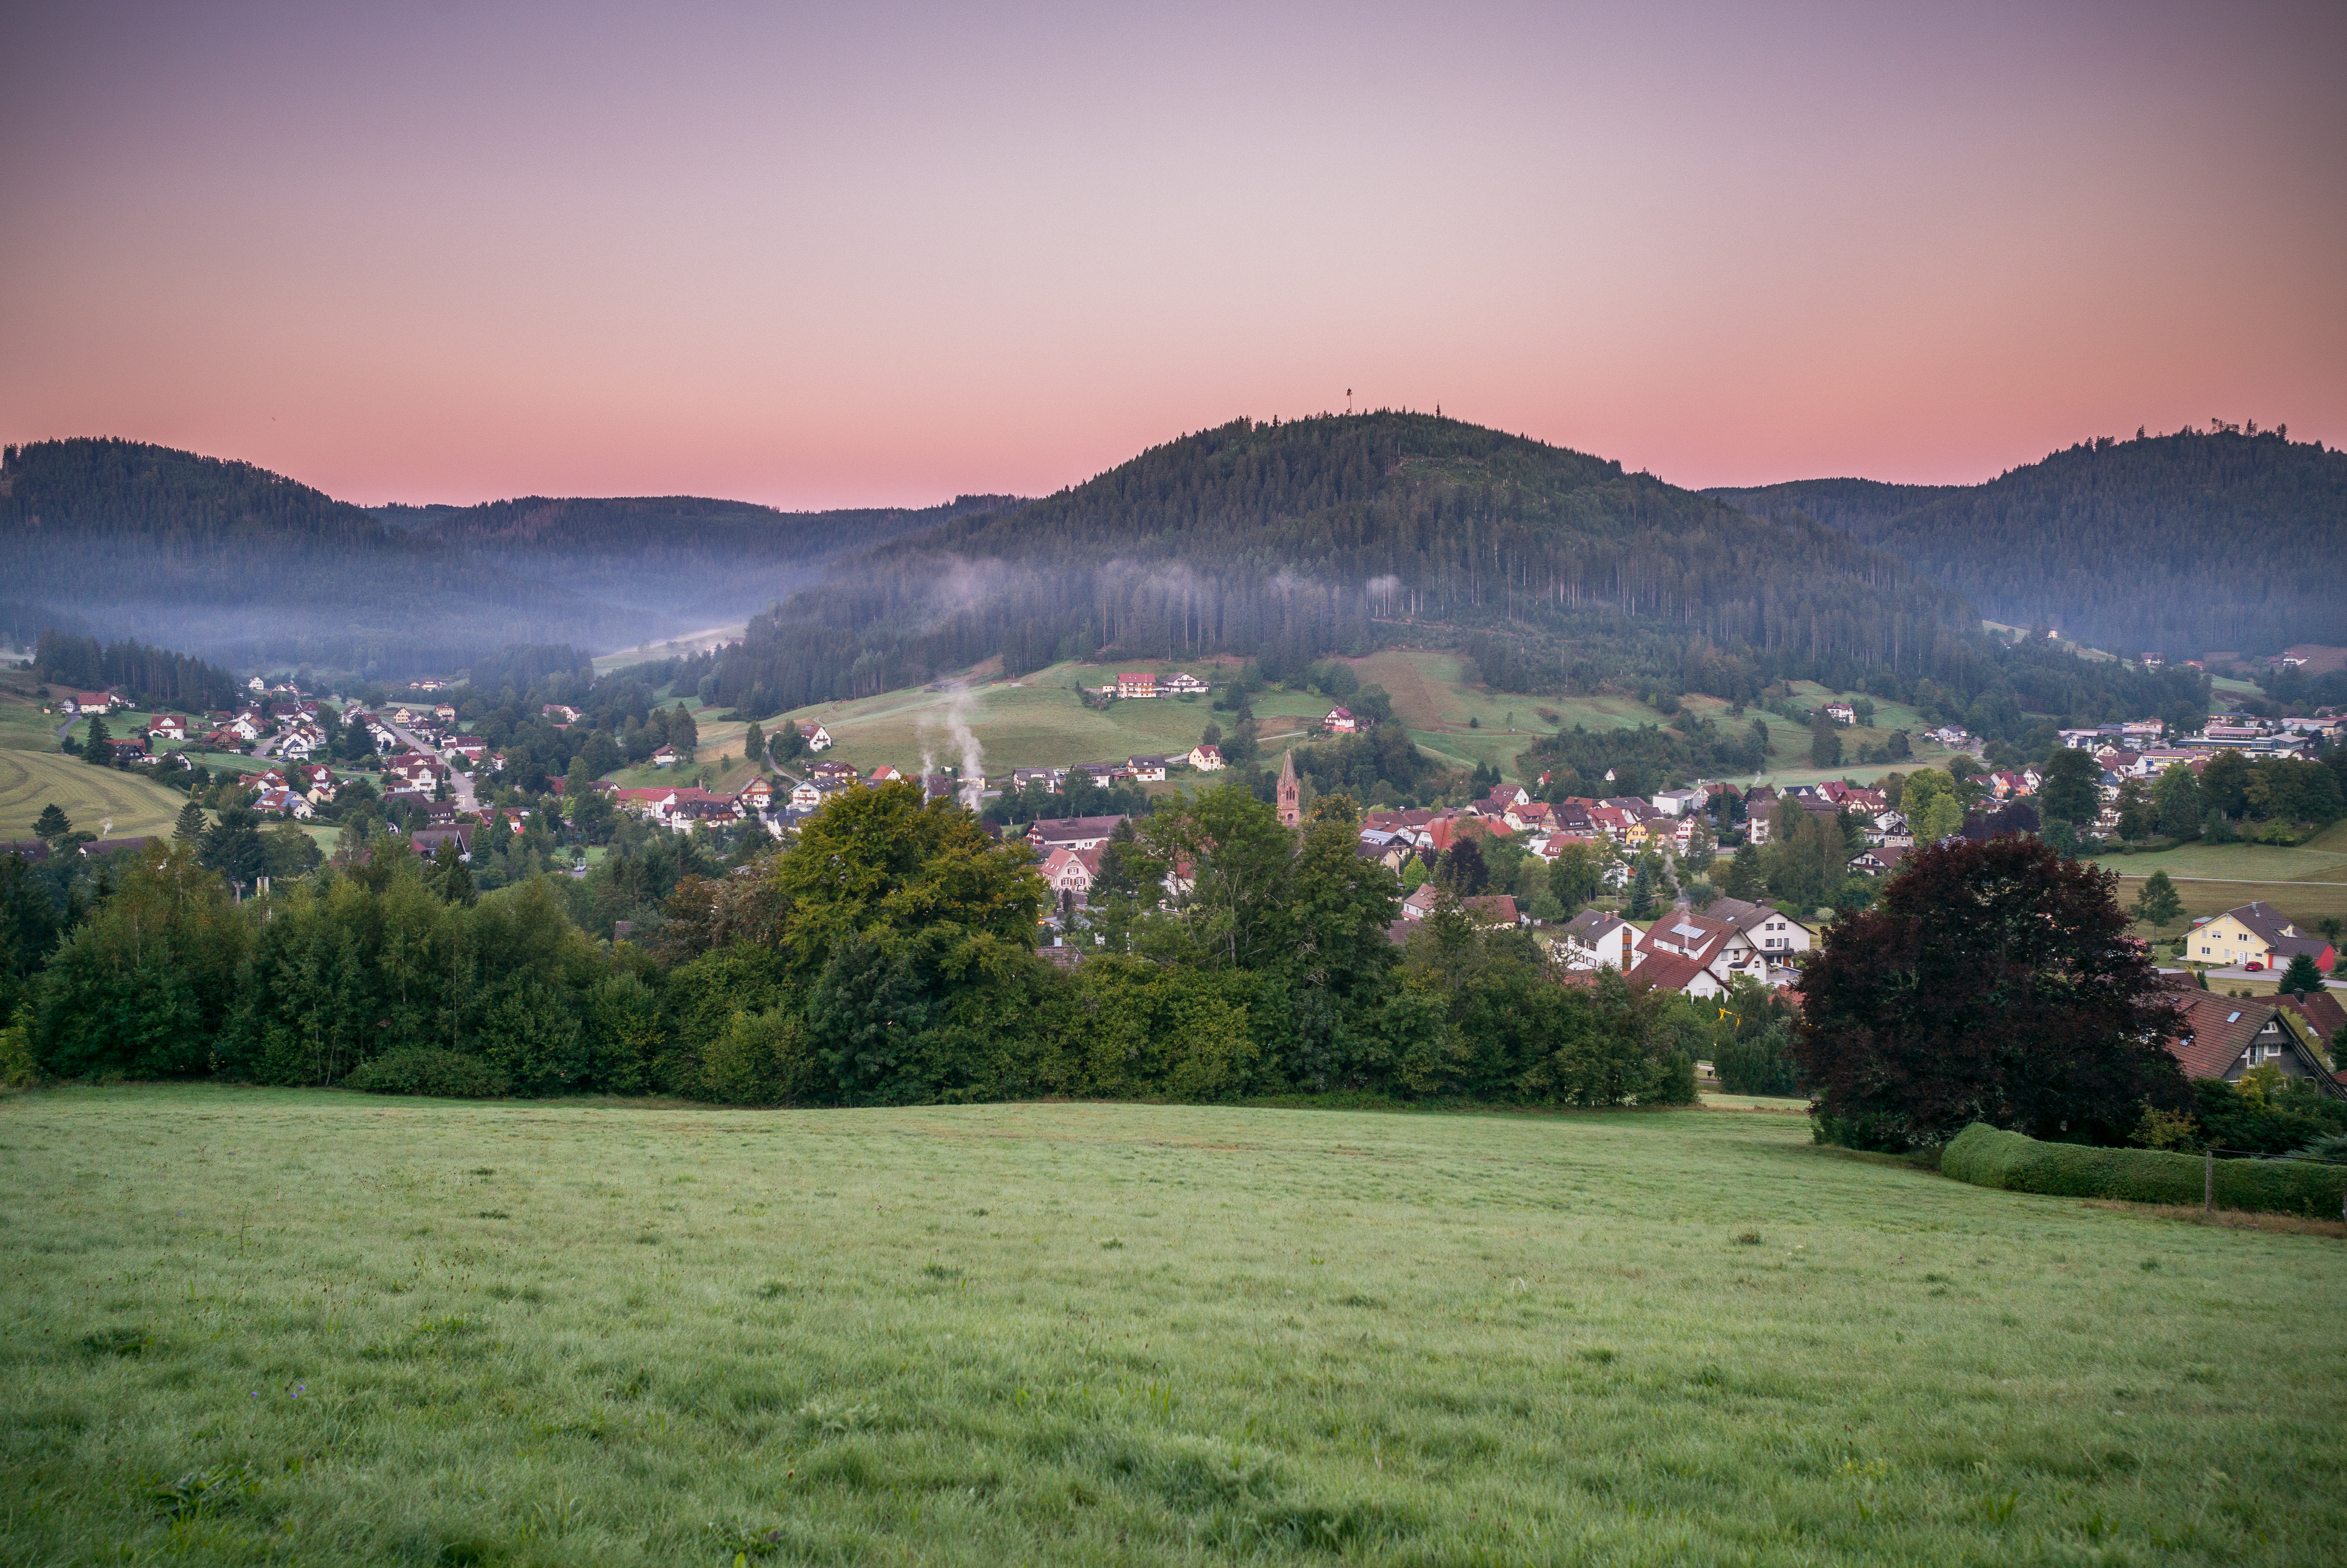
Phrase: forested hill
pixel 1288 540
pixel 246 566
pixel 2183 543
pixel 681 556
pixel 235 562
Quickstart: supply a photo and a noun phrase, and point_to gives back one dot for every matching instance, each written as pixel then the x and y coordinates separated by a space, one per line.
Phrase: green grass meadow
pixel 273 1326
pixel 2304 881
pixel 1040 722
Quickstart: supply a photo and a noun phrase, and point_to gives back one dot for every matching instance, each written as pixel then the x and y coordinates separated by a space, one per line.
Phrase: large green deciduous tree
pixel 2070 791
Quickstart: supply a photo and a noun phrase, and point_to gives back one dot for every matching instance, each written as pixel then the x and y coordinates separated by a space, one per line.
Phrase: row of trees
pixel 887 958
pixel 150 677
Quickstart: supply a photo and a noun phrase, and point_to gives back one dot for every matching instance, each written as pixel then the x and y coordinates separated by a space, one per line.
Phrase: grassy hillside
pixel 1037 720
pixel 90 796
pixel 34 773
pixel 2306 882
pixel 271 1325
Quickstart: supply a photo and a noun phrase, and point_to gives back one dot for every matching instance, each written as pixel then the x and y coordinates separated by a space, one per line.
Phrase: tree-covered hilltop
pixel 1283 541
pixel 2182 543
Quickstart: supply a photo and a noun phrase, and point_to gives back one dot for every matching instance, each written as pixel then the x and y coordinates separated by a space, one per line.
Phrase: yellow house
pixel 2254 933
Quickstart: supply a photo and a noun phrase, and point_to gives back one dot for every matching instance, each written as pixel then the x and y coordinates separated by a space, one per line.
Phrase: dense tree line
pixel 150 677
pixel 2183 543
pixel 887 958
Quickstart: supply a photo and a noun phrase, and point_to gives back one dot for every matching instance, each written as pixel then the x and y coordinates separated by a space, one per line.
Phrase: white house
pixel 1594 939
pixel 818 738
pixel 1206 759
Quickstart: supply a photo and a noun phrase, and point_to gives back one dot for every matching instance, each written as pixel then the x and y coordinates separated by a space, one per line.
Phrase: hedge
pixel 1987 1157
pixel 423 1069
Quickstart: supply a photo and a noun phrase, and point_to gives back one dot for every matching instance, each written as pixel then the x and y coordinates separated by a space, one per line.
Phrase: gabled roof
pixel 2213 1031
pixel 1590 925
pixel 2321 1009
pixel 2263 919
pixel 1670 972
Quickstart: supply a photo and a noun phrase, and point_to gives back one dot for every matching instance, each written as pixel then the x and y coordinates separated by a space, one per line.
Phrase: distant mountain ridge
pixel 233 562
pixel 2179 543
pixel 672 555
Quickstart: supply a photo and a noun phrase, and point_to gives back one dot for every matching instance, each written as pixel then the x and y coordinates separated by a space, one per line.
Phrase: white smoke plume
pixel 961 740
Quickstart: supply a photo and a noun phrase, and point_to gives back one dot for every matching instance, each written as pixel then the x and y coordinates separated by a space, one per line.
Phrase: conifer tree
pixel 2304 977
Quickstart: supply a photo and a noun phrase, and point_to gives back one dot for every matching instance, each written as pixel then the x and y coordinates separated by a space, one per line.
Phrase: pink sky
pixel 468 250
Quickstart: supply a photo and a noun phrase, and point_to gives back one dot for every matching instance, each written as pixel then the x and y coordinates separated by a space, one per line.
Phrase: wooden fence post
pixel 2208 1186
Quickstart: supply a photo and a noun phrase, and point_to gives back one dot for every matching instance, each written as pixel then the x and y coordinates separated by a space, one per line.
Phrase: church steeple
pixel 1291 810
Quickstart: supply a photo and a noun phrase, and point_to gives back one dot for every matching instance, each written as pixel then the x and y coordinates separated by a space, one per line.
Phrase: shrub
pixel 2253 1118
pixel 1986 1157
pixel 762 1059
pixel 426 1069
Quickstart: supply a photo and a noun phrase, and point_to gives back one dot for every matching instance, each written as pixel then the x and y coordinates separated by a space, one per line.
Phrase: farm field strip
pixel 316 1324
pixel 89 796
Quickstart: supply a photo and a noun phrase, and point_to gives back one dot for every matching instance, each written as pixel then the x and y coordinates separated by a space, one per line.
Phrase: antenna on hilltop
pixel 1348 400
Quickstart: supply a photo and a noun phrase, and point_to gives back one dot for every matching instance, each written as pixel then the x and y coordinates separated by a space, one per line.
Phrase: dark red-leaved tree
pixel 1992 983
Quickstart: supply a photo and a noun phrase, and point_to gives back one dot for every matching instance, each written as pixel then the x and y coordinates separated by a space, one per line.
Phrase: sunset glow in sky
pixel 840 256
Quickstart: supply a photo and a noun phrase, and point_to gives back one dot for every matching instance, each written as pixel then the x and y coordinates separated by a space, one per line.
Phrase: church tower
pixel 1291 813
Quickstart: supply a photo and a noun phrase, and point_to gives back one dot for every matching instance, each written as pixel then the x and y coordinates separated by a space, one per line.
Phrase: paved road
pixel 460 785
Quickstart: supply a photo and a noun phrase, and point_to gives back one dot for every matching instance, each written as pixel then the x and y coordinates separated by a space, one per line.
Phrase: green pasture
pixel 91 796
pixel 1036 721
pixel 2306 881
pixel 22 724
pixel 288 1327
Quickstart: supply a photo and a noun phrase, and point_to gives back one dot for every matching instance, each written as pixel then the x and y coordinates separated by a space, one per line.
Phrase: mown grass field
pixel 1038 721
pixel 316 1327
pixel 2306 881
pixel 91 796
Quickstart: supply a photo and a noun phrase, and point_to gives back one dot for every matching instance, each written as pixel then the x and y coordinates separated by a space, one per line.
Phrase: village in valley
pixel 1674 888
